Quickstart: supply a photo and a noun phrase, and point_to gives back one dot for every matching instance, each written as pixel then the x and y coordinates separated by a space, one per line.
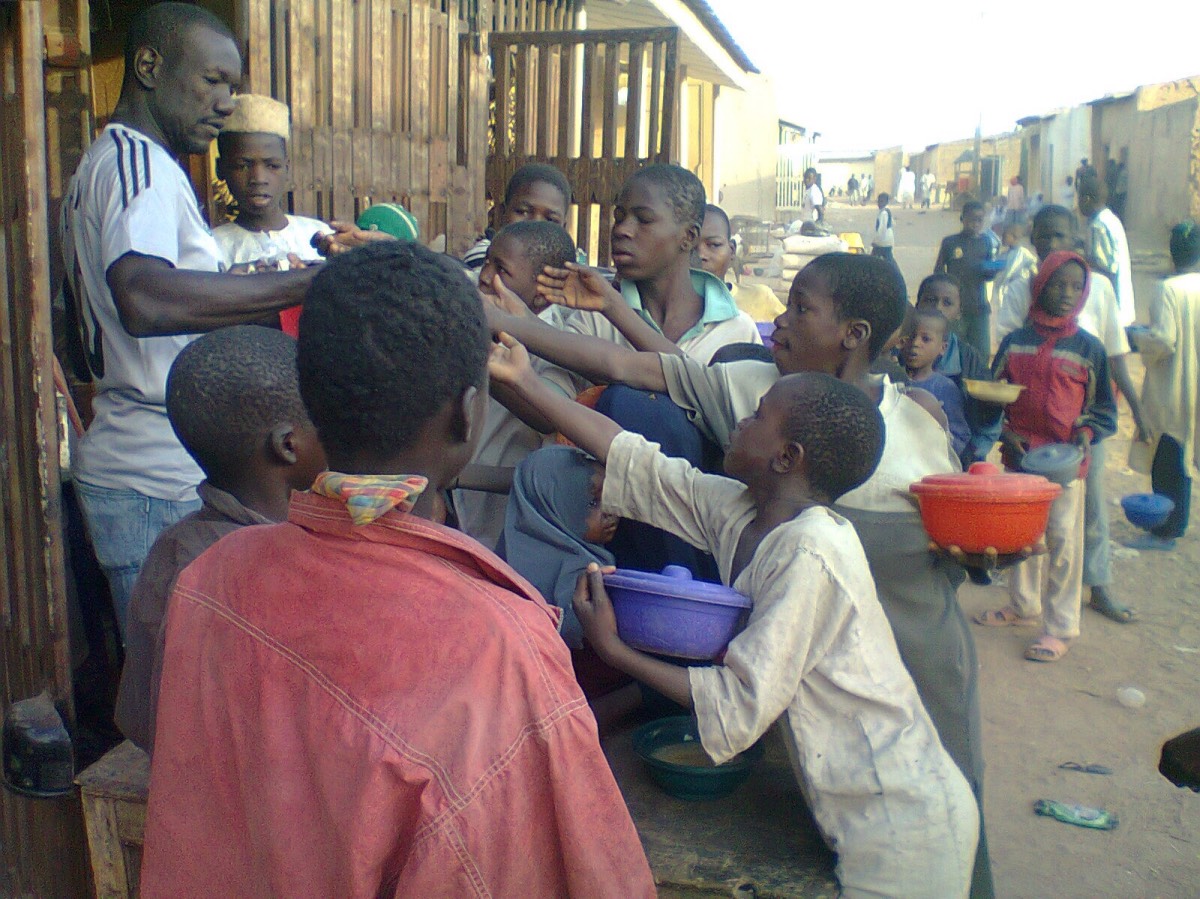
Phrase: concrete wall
pixel 1160 157
pixel 745 137
pixel 1055 145
pixel 888 164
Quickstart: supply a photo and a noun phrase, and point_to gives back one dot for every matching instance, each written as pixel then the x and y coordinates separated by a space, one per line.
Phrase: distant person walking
pixel 813 207
pixel 1107 246
pixel 1120 189
pixel 852 190
pixel 1016 202
pixel 885 235
pixel 1068 197
pixel 928 182
pixel 907 188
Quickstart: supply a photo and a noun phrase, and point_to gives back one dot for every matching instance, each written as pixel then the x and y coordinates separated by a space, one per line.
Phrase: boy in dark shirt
pixel 233 399
pixel 969 256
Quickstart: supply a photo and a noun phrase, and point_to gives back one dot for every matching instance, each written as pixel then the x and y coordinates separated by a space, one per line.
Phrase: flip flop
pixel 1110 608
pixel 1006 617
pixel 1046 649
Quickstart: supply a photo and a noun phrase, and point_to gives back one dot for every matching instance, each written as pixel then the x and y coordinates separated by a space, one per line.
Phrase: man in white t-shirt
pixel 142 269
pixel 907 188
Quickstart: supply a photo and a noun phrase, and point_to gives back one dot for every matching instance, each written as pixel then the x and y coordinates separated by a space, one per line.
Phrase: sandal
pixel 1046 649
pixel 1006 617
pixel 1110 608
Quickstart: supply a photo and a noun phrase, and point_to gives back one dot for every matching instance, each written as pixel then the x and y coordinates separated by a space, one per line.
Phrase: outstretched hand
pixel 988 560
pixel 497 293
pixel 345 236
pixel 576 287
pixel 594 610
pixel 508 362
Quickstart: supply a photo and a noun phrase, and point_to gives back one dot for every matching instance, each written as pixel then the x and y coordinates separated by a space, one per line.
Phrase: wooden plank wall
pixel 388 101
pixel 42 839
pixel 558 100
pixel 534 15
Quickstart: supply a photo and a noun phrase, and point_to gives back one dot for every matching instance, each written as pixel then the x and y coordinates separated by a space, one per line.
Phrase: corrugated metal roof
pixel 717 29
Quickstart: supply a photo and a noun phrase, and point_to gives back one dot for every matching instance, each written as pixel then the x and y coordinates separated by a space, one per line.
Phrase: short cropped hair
pixel 681 189
pixel 840 428
pixel 1092 187
pixel 886 197
pixel 228 389
pixel 164 25
pixel 971 206
pixel 545 243
pixel 866 287
pixel 938 278
pixel 538 173
pixel 931 315
pixel 1185 244
pixel 710 209
pixel 1053 211
pixel 391 332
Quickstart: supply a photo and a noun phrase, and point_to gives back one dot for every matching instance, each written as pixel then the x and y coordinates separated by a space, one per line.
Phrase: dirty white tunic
pixel 818 653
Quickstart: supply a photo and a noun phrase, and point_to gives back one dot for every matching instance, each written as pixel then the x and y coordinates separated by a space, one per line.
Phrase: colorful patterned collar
pixel 371 496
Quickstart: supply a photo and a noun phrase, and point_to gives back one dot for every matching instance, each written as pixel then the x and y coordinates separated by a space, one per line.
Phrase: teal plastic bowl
pixel 678 735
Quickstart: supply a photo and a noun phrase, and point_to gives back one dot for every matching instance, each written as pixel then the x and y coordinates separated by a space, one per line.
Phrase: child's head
pixel 943 293
pixel 1060 287
pixel 1014 233
pixel 925 341
pixel 1185 246
pixel 715 250
pixel 972 218
pixel 1053 230
pixel 810 177
pixel 883 200
pixel 559 488
pixel 656 221
pixel 519 252
pixel 253 158
pixel 536 192
pixel 392 358
pixel 840 305
pixel 233 399
pixel 1092 193
pixel 1070 180
pixel 810 425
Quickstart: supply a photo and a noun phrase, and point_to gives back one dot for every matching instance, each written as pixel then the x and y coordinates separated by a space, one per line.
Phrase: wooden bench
pixel 114 791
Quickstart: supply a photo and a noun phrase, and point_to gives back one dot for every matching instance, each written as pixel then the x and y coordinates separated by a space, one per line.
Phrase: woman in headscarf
pixel 554 526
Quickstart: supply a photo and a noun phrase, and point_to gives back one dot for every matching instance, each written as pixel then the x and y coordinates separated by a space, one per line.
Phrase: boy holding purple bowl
pixel 817 652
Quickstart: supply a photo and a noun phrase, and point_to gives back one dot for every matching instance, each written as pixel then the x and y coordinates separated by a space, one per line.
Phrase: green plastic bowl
pixel 691 782
pixel 391 218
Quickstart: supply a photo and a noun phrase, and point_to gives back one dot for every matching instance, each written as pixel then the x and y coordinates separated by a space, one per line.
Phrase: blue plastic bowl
pixel 765 330
pixel 671 614
pixel 1147 510
pixel 684 781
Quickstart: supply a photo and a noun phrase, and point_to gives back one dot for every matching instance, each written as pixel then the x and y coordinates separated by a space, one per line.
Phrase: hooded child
pixel 1067 399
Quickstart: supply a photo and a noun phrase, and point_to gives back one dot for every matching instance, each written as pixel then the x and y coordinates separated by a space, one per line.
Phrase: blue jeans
pixel 123 525
pixel 1097 552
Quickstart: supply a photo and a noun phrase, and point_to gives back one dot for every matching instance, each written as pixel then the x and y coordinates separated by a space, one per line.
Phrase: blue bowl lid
pixel 1052 458
pixel 676 582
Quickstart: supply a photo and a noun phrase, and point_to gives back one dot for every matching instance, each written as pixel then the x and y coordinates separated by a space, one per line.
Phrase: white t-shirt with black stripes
pixel 129 195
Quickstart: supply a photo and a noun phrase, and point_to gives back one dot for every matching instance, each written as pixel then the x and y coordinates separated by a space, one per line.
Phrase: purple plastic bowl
pixel 765 330
pixel 672 614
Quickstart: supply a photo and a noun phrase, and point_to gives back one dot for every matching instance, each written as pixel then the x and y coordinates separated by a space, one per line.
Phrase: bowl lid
pixel 676 582
pixel 985 481
pixel 1052 458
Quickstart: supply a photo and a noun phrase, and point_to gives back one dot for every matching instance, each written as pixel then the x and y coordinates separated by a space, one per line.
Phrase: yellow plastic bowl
pixel 993 391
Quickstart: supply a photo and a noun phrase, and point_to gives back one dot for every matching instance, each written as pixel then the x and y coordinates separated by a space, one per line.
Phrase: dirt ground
pixel 1038 716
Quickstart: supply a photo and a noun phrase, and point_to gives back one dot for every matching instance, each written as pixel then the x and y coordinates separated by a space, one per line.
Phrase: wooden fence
pixel 597 105
pixel 42 839
pixel 388 103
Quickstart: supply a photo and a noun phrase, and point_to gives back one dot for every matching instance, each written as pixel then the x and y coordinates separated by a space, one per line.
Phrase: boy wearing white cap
pixel 254 163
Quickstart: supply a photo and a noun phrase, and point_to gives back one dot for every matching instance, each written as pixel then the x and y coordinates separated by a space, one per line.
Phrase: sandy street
pixel 1038 716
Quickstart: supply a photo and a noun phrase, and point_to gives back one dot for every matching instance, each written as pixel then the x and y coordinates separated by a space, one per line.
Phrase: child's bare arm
pixel 586 428
pixel 595 613
pixel 597 360
pixel 580 287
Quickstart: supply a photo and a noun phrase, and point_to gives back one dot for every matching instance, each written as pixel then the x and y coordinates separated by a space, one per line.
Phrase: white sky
pixel 875 74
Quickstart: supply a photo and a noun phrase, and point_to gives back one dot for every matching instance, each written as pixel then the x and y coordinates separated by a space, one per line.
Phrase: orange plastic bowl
pixel 985 508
